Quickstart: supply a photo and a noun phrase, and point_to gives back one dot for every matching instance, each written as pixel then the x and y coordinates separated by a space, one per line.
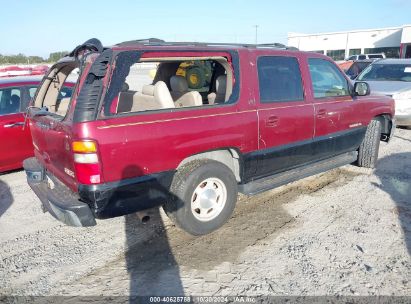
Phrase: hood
pixel 388 87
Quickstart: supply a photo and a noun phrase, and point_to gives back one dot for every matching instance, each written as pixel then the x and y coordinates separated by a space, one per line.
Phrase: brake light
pixel 86 162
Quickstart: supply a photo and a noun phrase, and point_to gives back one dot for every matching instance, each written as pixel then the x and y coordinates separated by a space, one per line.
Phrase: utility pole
pixel 256 33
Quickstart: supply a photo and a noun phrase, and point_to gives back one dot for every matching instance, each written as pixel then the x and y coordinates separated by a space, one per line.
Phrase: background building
pixel 394 42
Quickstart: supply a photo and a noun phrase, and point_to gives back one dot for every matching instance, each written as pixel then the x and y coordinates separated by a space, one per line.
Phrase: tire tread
pixel 368 151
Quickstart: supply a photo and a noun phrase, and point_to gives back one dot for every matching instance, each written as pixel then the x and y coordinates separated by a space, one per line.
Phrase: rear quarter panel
pixel 150 142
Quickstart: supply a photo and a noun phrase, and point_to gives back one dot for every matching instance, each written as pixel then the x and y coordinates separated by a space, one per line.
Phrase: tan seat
pixel 181 95
pixel 220 95
pixel 179 86
pixel 153 97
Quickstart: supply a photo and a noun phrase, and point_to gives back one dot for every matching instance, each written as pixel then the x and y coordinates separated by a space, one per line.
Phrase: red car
pixel 130 138
pixel 10 71
pixel 15 96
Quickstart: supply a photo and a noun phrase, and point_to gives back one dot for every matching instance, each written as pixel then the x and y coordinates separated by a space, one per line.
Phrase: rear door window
pixel 10 100
pixel 279 79
pixel 327 80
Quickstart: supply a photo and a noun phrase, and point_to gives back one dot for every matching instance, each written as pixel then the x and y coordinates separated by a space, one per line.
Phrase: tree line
pixel 23 59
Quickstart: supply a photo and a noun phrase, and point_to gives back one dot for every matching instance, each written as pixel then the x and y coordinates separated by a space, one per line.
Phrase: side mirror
pixel 361 88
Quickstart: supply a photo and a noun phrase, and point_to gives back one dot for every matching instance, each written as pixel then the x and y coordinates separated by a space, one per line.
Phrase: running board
pixel 280 179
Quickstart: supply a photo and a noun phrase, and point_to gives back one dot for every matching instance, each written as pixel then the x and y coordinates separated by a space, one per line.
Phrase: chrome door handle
pixel 14 124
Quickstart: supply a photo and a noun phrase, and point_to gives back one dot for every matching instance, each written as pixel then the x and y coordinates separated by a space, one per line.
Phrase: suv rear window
pixel 279 79
pixel 56 89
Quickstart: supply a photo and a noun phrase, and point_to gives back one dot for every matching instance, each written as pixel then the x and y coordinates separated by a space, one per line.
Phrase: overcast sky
pixel 40 27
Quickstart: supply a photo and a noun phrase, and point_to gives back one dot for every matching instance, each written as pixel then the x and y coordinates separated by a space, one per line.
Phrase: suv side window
pixel 10 99
pixel 279 79
pixel 362 57
pixel 159 83
pixel 327 80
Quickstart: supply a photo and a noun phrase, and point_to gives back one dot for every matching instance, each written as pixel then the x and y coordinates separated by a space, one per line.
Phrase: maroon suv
pixel 140 131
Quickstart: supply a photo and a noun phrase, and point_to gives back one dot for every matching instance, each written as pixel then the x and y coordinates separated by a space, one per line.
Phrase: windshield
pixel 387 72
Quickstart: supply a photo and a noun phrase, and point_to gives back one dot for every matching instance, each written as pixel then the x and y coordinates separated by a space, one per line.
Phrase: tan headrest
pixel 178 84
pixel 148 90
pixel 221 84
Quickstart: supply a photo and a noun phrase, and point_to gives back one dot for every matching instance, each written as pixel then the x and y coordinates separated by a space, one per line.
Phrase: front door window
pixel 10 99
pixel 327 80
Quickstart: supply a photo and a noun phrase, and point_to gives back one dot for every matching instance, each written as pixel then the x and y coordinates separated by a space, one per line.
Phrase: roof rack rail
pixel 158 42
pixel 142 41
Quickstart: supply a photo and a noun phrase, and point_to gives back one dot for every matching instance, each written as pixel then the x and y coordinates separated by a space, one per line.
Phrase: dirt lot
pixel 345 232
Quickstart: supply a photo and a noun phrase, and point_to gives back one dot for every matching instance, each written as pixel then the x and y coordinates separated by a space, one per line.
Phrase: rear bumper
pixel 128 195
pixel 58 200
pixel 96 201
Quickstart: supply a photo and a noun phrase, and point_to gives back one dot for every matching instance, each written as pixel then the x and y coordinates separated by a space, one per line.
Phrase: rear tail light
pixel 84 146
pixel 86 162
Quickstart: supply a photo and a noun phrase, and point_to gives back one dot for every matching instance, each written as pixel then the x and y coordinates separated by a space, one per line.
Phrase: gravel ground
pixel 344 232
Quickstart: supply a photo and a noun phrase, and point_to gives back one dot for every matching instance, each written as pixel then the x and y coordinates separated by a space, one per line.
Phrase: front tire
pixel 204 194
pixel 368 151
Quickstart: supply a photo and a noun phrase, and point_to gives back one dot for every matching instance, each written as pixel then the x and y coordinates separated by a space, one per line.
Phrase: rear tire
pixel 368 151
pixel 204 194
pixel 196 77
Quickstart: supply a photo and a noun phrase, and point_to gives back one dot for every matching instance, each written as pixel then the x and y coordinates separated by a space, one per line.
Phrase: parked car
pixel 354 67
pixel 268 117
pixel 15 95
pixel 366 56
pixel 16 141
pixel 9 71
pixel 392 77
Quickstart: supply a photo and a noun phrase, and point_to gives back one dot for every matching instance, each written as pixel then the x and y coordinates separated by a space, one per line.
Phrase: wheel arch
pixel 230 157
pixel 386 126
